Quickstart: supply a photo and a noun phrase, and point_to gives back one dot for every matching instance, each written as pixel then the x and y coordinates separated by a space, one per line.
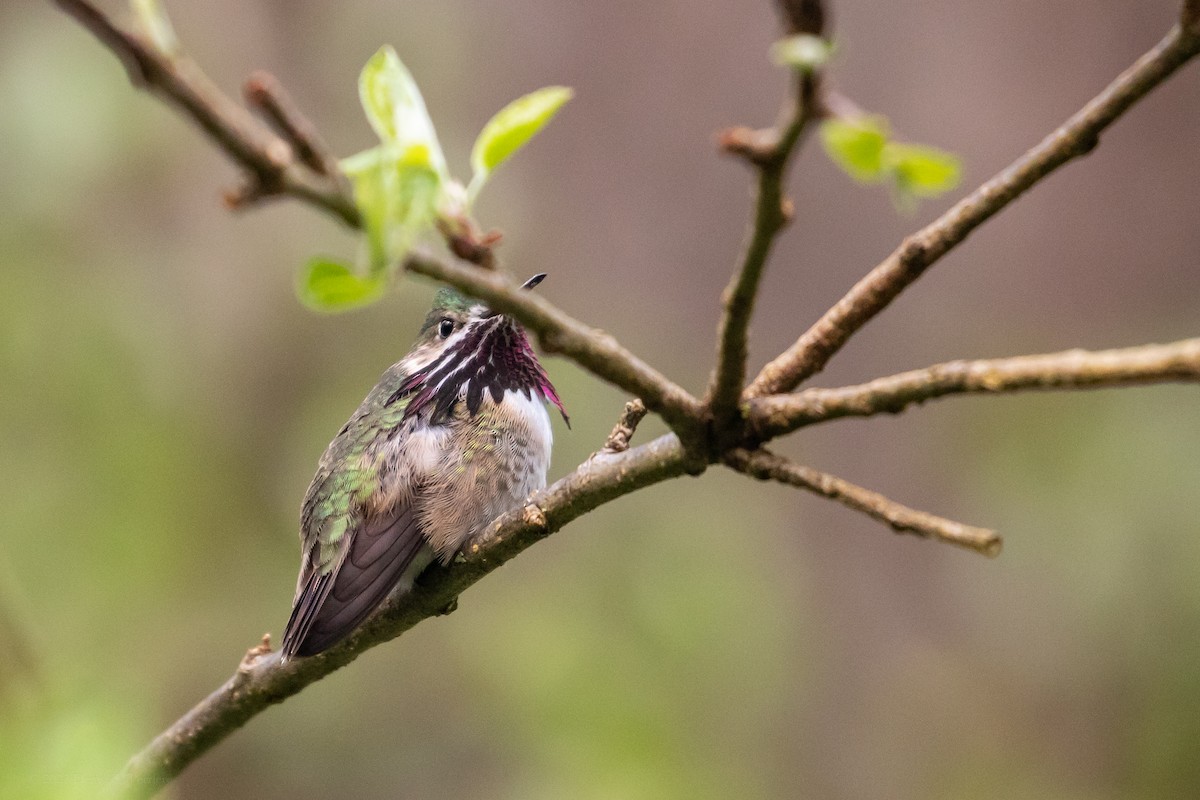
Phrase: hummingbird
pixel 453 435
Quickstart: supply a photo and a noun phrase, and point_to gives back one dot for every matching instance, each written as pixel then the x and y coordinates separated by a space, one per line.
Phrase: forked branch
pixel 871 295
pixel 273 164
pixel 284 156
pixel 268 159
pixel 770 152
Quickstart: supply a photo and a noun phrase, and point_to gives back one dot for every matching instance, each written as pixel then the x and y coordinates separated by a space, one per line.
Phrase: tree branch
pixel 262 680
pixel 269 160
pixel 1071 369
pixel 770 152
pixel 557 332
pixel 266 94
pixel 292 162
pixel 765 465
pixel 883 284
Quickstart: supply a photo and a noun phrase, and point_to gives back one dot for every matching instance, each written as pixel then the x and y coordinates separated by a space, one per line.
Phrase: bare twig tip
pixel 254 654
pixel 237 198
pixel 622 432
pixel 257 87
pixel 756 146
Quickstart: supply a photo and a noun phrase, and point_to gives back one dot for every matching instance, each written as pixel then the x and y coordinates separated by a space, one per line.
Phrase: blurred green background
pixel 165 398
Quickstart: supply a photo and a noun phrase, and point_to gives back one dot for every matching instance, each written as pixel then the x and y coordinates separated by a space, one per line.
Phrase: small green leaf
pixel 511 127
pixel 857 145
pixel 418 191
pixel 395 107
pixel 397 191
pixel 326 285
pixel 803 52
pixel 920 170
pixel 374 194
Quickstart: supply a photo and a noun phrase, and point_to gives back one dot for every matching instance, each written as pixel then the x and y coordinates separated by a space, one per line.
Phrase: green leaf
pixel 326 285
pixel 397 192
pixel 856 146
pixel 396 109
pixel 373 195
pixel 920 170
pixel 415 206
pixel 511 127
pixel 803 52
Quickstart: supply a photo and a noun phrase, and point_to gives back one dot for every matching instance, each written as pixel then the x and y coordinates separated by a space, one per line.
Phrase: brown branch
pixel 266 94
pixel 269 160
pixel 262 680
pixel 803 16
pixel 272 163
pixel 765 465
pixel 884 283
pixel 1189 17
pixel 557 332
pixel 292 162
pixel 1071 369
pixel 622 432
pixel 770 151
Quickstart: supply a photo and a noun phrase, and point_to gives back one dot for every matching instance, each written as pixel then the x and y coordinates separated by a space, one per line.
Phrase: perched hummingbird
pixel 453 435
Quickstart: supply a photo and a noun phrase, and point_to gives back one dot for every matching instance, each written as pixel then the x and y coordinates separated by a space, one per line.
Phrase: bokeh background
pixel 164 399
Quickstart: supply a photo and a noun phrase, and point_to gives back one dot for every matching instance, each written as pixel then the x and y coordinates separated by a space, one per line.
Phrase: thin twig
pixel 266 94
pixel 278 167
pixel 622 432
pixel 1071 369
pixel 765 465
pixel 803 16
pixel 268 159
pixel 771 153
pixel 262 681
pixel 884 283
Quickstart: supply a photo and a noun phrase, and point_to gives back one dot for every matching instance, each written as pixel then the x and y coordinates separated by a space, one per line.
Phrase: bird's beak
pixel 534 281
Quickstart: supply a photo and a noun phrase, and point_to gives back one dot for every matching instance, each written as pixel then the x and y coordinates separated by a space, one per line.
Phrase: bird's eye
pixel 445 328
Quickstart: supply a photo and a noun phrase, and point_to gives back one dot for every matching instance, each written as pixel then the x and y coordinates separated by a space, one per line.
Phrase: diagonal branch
pixel 1071 369
pixel 765 465
pixel 273 164
pixel 262 681
pixel 771 214
pixel 178 81
pixel 557 332
pixel 283 164
pixel 883 284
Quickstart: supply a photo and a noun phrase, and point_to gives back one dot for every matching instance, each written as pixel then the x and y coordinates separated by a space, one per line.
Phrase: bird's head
pixel 465 350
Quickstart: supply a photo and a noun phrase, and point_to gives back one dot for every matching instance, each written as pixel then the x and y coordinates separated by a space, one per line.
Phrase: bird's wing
pixel 370 559
pixel 353 553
